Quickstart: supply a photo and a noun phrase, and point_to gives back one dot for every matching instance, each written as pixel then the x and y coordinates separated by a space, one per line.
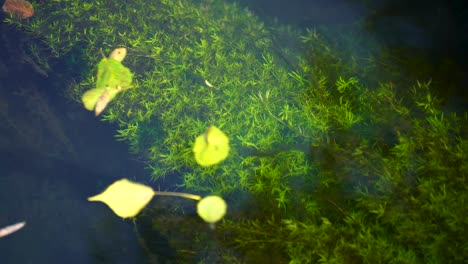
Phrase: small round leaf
pixel 211 147
pixel 211 208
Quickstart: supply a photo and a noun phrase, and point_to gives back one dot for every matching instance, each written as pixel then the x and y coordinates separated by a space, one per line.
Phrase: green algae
pixel 345 161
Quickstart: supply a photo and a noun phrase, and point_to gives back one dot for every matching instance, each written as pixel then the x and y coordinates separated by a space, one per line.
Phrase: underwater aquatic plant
pixel 19 8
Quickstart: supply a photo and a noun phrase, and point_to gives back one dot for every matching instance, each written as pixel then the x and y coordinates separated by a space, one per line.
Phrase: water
pixel 48 167
pixel 52 157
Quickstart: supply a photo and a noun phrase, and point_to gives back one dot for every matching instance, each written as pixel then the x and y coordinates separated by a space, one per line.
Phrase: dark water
pixel 62 227
pixel 45 178
pixel 53 155
pixel 436 29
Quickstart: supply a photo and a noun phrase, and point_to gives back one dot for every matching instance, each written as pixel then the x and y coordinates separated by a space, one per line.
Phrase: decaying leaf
pixel 102 102
pixel 91 97
pixel 112 78
pixel 209 84
pixel 7 230
pixel 112 73
pixel 118 54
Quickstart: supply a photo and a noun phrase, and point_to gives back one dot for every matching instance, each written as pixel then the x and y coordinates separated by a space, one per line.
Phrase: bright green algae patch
pixel 345 166
pixel 173 47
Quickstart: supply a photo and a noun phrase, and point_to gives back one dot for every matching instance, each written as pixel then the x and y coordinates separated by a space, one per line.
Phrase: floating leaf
pixel 97 99
pixel 112 78
pixel 118 54
pixel 104 99
pixel 113 74
pixel 91 97
pixel 211 208
pixel 212 147
pixel 102 102
pixel 125 198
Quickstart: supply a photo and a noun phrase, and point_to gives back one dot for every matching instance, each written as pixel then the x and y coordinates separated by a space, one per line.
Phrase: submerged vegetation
pixel 340 162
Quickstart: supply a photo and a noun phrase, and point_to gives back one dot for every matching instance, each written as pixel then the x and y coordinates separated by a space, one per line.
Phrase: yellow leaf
pixel 118 54
pixel 211 147
pixel 112 78
pixel 211 208
pixel 125 198
pixel 91 97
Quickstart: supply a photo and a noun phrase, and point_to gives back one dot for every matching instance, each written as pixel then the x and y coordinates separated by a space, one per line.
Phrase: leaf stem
pixel 185 195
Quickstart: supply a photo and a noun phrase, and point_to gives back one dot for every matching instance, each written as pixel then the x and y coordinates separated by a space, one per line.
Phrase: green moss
pixel 347 159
